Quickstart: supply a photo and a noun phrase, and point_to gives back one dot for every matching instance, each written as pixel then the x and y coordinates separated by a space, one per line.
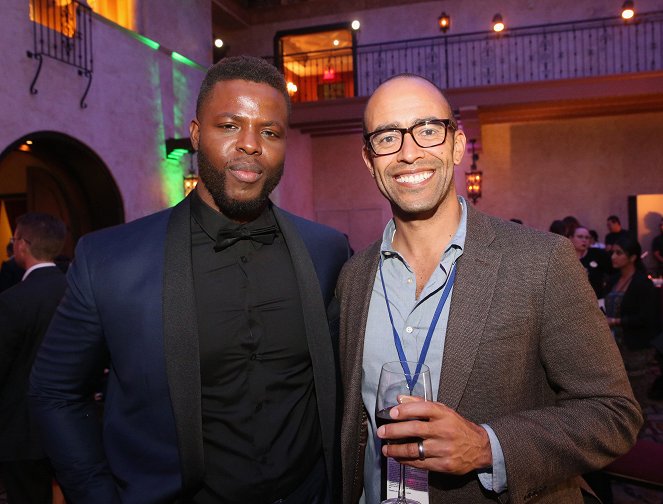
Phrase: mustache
pixel 402 168
pixel 244 165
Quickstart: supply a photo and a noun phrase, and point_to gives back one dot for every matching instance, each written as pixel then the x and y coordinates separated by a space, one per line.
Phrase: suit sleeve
pixel 593 417
pixel 61 391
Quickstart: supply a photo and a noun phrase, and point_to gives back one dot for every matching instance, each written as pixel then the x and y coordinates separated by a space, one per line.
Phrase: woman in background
pixel 632 312
pixel 595 261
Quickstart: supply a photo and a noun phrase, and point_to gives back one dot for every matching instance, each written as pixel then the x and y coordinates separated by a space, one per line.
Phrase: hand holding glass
pixel 396 383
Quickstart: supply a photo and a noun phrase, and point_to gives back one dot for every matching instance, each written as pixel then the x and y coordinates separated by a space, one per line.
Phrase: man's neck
pixel 422 241
pixel 430 235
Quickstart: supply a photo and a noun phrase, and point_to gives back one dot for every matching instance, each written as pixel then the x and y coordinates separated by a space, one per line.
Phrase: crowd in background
pixel 626 294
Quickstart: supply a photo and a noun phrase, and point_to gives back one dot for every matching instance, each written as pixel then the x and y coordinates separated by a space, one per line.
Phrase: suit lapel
pixel 317 331
pixel 470 302
pixel 181 344
pixel 352 347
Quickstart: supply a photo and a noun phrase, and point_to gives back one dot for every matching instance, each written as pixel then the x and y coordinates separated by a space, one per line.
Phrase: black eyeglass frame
pixel 447 123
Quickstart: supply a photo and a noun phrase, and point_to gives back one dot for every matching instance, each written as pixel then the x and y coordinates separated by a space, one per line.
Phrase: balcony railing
pixel 62 31
pixel 537 53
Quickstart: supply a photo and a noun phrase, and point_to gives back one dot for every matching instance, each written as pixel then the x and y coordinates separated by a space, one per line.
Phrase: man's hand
pixel 452 444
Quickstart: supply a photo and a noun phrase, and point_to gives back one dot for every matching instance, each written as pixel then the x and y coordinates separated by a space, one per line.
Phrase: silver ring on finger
pixel 420 447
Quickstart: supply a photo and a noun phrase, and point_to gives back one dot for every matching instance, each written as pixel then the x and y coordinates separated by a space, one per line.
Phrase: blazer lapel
pixel 181 344
pixel 359 292
pixel 470 302
pixel 317 331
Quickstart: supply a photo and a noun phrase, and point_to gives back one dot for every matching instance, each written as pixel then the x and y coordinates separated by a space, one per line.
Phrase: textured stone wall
pixel 139 96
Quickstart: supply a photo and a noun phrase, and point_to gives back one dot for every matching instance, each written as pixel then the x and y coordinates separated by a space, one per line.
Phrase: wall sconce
pixel 176 148
pixel 444 22
pixel 191 178
pixel 498 23
pixel 473 178
pixel 628 10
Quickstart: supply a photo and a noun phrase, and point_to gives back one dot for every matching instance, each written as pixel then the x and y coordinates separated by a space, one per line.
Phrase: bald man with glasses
pixel 530 388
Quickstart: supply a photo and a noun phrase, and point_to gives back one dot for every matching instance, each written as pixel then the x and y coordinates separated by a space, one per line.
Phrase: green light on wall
pixel 177 154
pixel 182 99
pixel 148 42
pixel 183 59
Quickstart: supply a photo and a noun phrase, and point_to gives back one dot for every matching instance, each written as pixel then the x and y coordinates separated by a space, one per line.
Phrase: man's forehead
pixel 405 100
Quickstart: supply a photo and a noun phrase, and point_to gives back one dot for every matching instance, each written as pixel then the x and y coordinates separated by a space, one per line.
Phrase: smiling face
pixel 417 181
pixel 240 136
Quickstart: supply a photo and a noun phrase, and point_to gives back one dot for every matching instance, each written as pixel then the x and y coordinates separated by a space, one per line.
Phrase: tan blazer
pixel 527 351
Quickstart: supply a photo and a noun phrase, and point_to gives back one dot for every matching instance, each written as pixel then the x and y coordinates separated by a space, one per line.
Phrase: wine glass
pixel 398 379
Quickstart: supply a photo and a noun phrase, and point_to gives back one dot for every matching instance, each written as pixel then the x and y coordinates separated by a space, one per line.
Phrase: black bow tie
pixel 228 237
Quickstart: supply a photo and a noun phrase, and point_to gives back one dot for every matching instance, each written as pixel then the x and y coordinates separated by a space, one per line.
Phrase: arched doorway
pixel 54 173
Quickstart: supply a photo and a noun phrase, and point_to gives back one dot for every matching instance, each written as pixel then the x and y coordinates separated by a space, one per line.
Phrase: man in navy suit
pixel 25 311
pixel 218 321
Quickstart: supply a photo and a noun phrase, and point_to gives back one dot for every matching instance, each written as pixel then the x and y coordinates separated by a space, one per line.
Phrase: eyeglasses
pixel 425 134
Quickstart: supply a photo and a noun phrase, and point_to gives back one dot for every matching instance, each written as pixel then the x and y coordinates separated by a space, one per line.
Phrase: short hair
pixel 614 218
pixel 558 227
pixel 406 75
pixel 594 234
pixel 44 233
pixel 571 225
pixel 248 68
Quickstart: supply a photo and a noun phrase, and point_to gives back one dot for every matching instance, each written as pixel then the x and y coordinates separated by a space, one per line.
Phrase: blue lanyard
pixel 412 381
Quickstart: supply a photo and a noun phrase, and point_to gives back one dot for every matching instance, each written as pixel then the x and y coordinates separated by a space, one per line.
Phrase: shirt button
pixel 244 259
pixel 409 280
pixel 409 329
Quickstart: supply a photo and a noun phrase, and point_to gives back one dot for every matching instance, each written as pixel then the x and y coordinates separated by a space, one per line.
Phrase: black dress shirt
pixel 261 431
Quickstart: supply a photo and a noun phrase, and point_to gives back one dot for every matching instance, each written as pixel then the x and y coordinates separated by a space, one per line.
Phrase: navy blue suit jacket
pixel 130 299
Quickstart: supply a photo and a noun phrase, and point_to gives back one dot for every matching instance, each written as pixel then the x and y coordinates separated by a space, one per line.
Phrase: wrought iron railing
pixel 592 48
pixel 62 31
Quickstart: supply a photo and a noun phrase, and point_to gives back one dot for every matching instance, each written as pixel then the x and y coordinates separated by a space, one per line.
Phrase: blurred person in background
pixel 595 261
pixel 558 227
pixel 657 249
pixel 631 308
pixel 26 310
pixel 594 240
pixel 10 272
pixel 615 230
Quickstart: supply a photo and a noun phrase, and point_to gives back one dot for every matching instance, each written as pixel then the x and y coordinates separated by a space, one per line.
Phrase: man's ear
pixel 194 133
pixel 368 160
pixel 459 146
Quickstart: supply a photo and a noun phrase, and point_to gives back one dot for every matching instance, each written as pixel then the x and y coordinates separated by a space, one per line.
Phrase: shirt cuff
pixel 494 478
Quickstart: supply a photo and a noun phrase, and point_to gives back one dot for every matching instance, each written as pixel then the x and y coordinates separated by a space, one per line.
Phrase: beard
pixel 237 210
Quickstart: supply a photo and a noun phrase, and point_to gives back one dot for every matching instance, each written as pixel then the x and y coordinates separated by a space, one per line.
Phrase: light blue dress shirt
pixel 412 319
